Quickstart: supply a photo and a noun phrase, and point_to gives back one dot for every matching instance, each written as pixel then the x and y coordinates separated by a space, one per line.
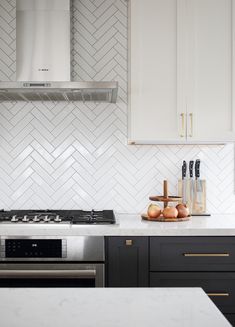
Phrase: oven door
pixel 51 275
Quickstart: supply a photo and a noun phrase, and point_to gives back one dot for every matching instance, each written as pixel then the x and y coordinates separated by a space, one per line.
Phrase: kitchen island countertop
pixel 107 307
pixel 131 225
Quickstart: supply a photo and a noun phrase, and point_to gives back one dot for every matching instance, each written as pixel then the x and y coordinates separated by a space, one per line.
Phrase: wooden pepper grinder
pixel 165 198
pixel 165 192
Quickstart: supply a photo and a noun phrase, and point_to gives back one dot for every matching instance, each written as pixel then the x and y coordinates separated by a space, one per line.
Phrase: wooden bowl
pixel 161 198
pixel 161 218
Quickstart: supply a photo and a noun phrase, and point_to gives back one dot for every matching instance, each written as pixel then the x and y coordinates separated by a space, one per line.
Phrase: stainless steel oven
pixel 74 261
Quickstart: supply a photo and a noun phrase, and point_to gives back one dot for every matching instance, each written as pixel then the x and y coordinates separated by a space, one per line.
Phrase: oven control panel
pixel 33 248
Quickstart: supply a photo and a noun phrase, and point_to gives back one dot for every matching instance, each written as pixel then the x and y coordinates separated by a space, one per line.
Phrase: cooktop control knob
pixel 35 219
pixel 14 218
pixel 57 219
pixel 46 219
pixel 25 219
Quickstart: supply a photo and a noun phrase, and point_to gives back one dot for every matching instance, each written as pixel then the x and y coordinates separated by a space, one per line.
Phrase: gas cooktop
pixel 75 217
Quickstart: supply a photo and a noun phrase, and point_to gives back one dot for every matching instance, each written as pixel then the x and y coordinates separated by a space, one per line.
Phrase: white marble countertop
pixel 107 307
pixel 132 225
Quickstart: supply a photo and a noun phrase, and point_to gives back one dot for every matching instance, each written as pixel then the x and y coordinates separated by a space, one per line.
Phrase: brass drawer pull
pixel 191 128
pixel 182 115
pixel 129 242
pixel 217 294
pixel 206 254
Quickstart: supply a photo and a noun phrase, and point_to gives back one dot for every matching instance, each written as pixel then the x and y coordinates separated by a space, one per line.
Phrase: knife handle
pixel 191 163
pixel 197 168
pixel 184 169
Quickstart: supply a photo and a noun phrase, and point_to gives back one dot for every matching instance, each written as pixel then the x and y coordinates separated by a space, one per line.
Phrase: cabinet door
pixel 127 262
pixel 210 70
pixel 154 116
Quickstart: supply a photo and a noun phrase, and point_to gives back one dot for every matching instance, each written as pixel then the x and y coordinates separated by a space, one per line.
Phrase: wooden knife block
pixel 196 201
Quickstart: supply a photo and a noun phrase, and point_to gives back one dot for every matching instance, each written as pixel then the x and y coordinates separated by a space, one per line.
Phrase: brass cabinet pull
pixel 217 294
pixel 206 254
pixel 182 134
pixel 191 124
pixel 129 242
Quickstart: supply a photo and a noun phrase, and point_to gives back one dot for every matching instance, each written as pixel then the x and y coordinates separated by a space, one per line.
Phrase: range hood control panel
pixel 36 84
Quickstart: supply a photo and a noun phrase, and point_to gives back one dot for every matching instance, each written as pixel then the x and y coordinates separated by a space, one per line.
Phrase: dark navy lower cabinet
pixel 127 261
pixel 206 262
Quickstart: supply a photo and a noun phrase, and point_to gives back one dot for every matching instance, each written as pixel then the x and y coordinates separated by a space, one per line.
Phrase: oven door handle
pixel 81 273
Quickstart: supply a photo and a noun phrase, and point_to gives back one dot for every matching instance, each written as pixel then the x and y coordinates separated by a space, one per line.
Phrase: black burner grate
pixel 58 216
pixel 94 217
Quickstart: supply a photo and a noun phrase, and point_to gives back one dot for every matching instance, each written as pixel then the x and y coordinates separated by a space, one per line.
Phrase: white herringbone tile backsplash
pixel 60 155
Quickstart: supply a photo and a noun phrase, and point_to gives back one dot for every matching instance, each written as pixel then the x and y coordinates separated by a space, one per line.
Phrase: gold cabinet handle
pixel 182 134
pixel 129 242
pixel 206 254
pixel 217 294
pixel 191 124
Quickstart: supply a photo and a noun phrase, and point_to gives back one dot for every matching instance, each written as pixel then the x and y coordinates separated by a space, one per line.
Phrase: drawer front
pixel 219 286
pixel 192 253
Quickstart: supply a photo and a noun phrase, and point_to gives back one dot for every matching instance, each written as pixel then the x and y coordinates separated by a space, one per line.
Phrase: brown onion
pixel 170 212
pixel 183 210
pixel 154 211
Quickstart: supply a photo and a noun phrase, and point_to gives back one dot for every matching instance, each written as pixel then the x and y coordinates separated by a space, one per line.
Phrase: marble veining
pixel 107 307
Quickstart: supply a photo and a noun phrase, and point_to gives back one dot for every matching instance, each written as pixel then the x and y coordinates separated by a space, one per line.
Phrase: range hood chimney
pixel 43 58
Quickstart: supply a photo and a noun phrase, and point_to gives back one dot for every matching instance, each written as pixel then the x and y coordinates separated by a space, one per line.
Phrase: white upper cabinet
pixel 210 70
pixel 153 70
pixel 181 71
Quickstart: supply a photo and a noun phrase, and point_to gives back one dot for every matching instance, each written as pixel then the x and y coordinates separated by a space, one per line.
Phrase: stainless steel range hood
pixel 43 58
pixel 58 91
